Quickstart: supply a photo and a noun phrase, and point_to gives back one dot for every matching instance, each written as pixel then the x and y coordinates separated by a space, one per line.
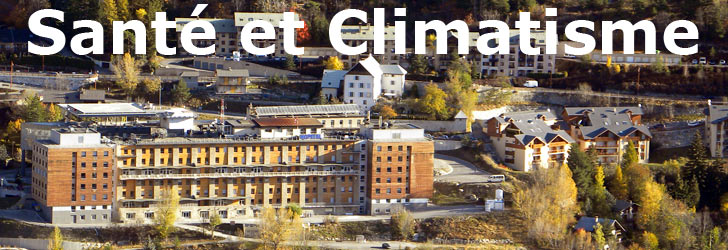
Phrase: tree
pixel 618 186
pixel 582 165
pixel 334 63
pixel 649 201
pixel 126 70
pixel 122 6
pixel 54 113
pixel 180 93
pixel 33 110
pixel 385 111
pixel 433 102
pixel 23 9
pixel 12 133
pixel 403 224
pixel 289 64
pixel 599 193
pixel 212 223
pixel 697 167
pixel 599 236
pixel 549 204
pixel 649 241
pixel 55 240
pixel 150 87
pixel 277 227
pixel 629 156
pixel 107 14
pixel 659 65
pixel 418 64
pixel 166 213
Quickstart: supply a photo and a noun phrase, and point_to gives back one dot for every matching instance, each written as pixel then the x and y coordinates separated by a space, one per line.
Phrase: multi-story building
pixel 354 35
pixel 331 83
pixel 120 171
pixel 515 63
pixel 365 83
pixel 527 140
pixel 226 36
pixel 715 129
pixel 334 117
pixel 243 18
pixel 73 173
pixel 609 130
pixel 399 168
pixel 232 81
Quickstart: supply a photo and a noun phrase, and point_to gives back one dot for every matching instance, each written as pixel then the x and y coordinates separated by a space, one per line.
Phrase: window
pixel 186 214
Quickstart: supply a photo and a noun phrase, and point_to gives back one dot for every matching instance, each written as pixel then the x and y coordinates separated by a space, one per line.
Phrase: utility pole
pixel 11 73
pixel 637 87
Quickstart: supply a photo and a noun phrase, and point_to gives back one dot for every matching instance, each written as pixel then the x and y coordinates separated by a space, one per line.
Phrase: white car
pixel 497 178
pixel 531 84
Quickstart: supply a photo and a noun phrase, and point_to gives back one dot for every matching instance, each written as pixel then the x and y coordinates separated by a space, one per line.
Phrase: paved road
pixel 462 171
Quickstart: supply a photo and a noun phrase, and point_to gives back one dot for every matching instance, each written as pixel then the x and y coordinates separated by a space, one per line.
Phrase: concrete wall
pixel 253 69
pixel 53 82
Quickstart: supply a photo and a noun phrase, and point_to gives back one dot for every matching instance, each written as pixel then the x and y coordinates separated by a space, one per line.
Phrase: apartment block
pixel 399 169
pixel 72 175
pixel 515 63
pixel 119 171
pixel 232 81
pixel 528 140
pixel 609 130
pixel 226 36
pixel 243 18
pixel 354 35
pixel 715 129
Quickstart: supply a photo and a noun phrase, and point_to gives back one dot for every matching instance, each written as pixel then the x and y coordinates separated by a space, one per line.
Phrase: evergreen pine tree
pixel 618 185
pixel 582 167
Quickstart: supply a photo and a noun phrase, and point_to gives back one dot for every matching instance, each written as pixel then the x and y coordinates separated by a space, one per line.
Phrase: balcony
pixel 235 175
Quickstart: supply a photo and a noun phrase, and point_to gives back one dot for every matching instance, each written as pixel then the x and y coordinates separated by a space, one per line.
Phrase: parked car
pixel 385 245
pixel 695 61
pixel 703 60
pixel 722 62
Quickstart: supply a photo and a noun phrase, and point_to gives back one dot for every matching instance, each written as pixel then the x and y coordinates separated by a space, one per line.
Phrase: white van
pixel 531 84
pixel 497 178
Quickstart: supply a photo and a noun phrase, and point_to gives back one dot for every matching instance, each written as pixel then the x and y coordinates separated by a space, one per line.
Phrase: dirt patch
pixel 119 235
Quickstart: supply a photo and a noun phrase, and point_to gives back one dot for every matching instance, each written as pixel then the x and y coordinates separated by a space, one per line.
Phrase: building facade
pixel 715 129
pixel 73 176
pixel 121 173
pixel 609 130
pixel 528 140
pixel 354 35
pixel 232 81
pixel 226 37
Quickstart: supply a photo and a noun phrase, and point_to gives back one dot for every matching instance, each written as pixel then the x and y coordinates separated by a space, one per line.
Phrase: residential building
pixel 625 208
pixel 367 81
pixel 232 81
pixel 354 35
pixel 588 224
pixel 609 130
pixel 243 18
pixel 716 128
pixel 619 57
pixel 399 168
pixel 515 63
pixel 527 140
pixel 226 36
pixel 120 170
pixel 72 176
pixel 334 117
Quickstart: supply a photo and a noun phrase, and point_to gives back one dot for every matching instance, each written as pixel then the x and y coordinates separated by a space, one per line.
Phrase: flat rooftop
pixel 106 109
pixel 309 110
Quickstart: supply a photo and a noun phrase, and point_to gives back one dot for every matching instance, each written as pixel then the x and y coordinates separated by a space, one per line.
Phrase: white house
pixel 364 83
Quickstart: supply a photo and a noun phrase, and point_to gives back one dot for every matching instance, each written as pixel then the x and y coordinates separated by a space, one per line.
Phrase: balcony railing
pixel 235 175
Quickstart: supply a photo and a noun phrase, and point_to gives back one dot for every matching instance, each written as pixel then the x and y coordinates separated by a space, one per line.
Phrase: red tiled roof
pixel 288 122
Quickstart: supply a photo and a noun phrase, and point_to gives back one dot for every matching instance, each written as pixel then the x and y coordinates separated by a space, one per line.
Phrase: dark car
pixel 385 246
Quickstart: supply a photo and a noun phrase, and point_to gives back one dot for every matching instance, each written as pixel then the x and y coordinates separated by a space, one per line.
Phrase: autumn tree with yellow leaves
pixel 278 226
pixel 166 213
pixel 549 204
